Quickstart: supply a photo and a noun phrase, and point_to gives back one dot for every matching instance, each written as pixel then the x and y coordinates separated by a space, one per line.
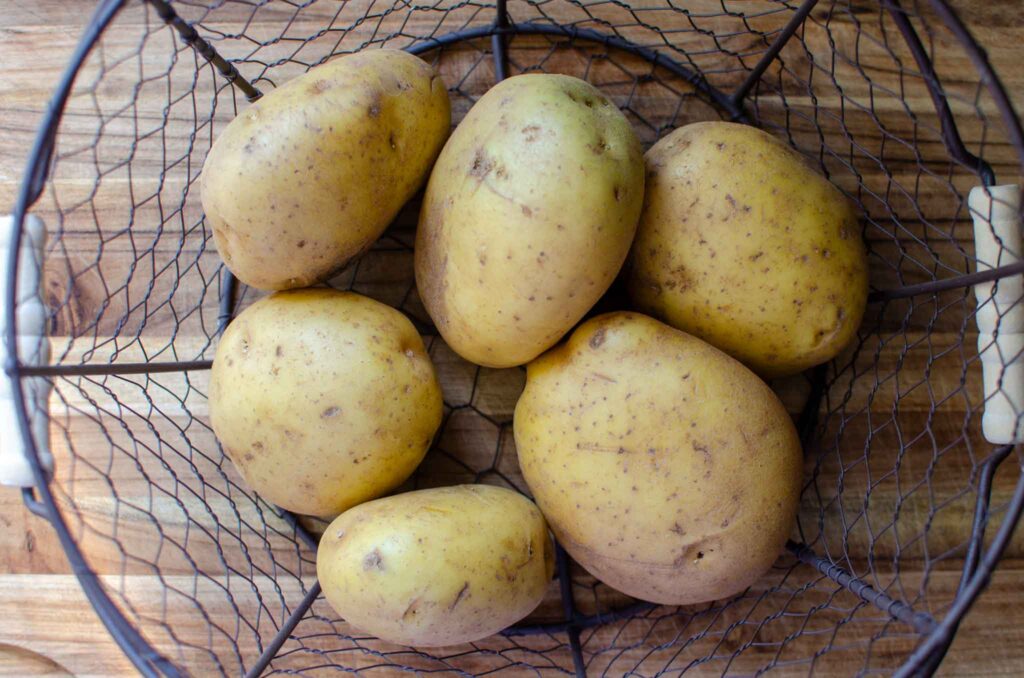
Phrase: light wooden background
pixel 47 626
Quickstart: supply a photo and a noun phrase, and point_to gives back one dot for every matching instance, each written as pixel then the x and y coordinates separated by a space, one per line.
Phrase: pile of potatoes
pixel 655 453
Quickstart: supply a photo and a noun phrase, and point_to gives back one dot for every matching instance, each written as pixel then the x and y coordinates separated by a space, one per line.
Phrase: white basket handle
pixel 33 348
pixel 1000 316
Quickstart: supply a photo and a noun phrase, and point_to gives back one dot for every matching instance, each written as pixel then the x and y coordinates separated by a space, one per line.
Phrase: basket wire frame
pixel 589 620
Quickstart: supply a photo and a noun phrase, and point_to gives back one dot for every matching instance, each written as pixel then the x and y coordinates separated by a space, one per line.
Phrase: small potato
pixel 666 468
pixel 323 399
pixel 311 174
pixel 437 567
pixel 527 217
pixel 743 245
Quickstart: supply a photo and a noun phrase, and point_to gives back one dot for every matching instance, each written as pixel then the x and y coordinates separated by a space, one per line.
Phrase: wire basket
pixel 904 513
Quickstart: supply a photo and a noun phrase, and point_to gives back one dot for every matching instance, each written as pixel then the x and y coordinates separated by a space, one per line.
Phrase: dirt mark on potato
pixel 412 609
pixel 463 593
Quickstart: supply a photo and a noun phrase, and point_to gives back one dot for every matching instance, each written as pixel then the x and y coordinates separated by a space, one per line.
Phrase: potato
pixel 527 218
pixel 323 399
pixel 310 175
pixel 743 245
pixel 666 468
pixel 437 567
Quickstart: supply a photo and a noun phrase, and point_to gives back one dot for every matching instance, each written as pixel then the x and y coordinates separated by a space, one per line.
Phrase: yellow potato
pixel 527 217
pixel 743 245
pixel 437 567
pixel 310 175
pixel 666 468
pixel 323 399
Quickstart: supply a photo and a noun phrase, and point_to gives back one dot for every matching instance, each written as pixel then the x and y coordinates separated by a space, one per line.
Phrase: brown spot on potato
pixel 532 133
pixel 300 244
pixel 392 142
pixel 677 529
pixel 482 165
pixel 617 192
pixel 278 351
pixel 374 561
pixel 527 212
pixel 258 446
pixel 597 339
pixel 700 447
pixel 331 411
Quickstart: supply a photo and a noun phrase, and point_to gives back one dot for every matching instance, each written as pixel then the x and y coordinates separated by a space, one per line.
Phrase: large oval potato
pixel 311 174
pixel 743 245
pixel 323 399
pixel 527 217
pixel 437 567
pixel 666 468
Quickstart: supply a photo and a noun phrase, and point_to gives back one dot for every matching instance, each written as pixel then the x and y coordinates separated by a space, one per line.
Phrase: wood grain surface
pixel 134 279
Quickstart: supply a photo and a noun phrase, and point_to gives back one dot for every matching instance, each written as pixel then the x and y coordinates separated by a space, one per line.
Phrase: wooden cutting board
pixel 46 625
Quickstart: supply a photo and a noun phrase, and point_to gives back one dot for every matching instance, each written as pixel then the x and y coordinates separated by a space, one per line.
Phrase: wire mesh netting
pixel 209 573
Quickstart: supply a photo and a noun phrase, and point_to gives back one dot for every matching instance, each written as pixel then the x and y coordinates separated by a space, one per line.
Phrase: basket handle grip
pixel 1000 314
pixel 33 348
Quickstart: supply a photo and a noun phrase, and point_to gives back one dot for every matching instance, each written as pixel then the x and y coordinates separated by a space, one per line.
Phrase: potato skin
pixel 323 399
pixel 439 566
pixel 666 468
pixel 743 245
pixel 527 217
pixel 311 174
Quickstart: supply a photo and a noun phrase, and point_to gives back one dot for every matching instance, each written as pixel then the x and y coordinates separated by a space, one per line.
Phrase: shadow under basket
pixel 906 507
